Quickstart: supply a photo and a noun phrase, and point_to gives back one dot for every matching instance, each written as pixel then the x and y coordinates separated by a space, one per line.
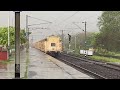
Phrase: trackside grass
pixel 100 58
pixel 106 59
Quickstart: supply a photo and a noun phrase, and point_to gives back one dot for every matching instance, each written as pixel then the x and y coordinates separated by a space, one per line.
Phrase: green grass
pixel 6 61
pixel 99 58
pixel 117 54
pixel 105 59
pixel 27 62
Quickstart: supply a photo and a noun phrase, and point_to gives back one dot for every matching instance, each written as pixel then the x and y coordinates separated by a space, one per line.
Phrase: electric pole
pixel 82 30
pixel 69 37
pixel 85 38
pixel 9 33
pixel 75 42
pixel 17 44
pixel 27 34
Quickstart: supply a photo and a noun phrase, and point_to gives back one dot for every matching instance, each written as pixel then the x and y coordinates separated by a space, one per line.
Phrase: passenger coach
pixel 50 45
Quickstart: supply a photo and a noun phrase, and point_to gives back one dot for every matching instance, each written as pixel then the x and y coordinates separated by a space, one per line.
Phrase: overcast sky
pixel 61 20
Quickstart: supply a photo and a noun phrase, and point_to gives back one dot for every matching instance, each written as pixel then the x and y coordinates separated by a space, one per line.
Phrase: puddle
pixel 31 74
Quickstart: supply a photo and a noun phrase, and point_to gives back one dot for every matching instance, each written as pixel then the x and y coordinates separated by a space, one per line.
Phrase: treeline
pixel 108 38
pixel 78 41
pixel 4 36
pixel 109 26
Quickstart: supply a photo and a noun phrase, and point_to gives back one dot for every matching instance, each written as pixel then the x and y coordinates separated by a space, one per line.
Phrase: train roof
pixel 48 37
pixel 52 36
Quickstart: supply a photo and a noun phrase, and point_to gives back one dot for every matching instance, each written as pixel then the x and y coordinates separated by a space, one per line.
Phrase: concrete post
pixel 17 44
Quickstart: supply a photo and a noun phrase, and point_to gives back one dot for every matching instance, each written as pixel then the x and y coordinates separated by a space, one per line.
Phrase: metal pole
pixel 69 41
pixel 27 33
pixel 28 39
pixel 85 40
pixel 8 29
pixel 17 44
pixel 62 40
pixel 8 33
pixel 75 42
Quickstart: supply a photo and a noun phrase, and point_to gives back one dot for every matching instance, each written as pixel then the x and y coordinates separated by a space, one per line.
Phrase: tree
pixel 80 41
pixel 22 36
pixel 4 36
pixel 109 26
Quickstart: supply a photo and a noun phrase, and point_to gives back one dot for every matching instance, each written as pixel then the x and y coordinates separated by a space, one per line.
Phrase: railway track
pixel 96 69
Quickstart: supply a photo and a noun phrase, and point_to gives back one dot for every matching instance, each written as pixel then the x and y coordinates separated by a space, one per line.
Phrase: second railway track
pixel 98 70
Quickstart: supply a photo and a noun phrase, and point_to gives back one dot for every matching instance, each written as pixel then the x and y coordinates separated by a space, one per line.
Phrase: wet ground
pixel 43 66
pixel 39 66
pixel 7 70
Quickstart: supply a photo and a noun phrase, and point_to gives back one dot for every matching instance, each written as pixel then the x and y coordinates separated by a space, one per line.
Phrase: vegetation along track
pixel 96 69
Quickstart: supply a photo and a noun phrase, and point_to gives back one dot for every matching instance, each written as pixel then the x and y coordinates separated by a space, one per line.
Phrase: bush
pixel 101 51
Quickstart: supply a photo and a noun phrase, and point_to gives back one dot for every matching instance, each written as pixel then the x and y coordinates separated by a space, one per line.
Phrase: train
pixel 51 45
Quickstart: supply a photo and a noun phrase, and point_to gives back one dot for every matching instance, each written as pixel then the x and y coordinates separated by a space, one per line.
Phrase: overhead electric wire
pixel 81 20
pixel 78 26
pixel 38 28
pixel 69 17
pixel 76 13
pixel 40 19
pixel 37 24
pixel 88 18
pixel 40 23
pixel 85 19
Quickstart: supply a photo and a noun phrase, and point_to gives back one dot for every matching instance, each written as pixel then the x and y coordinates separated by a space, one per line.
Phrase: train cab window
pixel 52 44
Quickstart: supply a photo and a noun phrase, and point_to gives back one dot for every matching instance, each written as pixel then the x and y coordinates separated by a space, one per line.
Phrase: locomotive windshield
pixel 52 44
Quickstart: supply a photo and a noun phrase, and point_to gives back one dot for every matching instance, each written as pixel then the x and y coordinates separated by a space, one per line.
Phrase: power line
pixel 37 24
pixel 69 17
pixel 38 28
pixel 58 17
pixel 82 19
pixel 87 18
pixel 40 19
pixel 71 28
pixel 78 26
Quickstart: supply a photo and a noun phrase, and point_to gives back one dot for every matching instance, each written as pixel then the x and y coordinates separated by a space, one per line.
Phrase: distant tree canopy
pixel 109 26
pixel 107 39
pixel 4 36
pixel 79 39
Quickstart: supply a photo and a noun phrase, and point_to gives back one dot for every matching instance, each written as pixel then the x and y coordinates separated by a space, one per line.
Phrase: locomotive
pixel 51 45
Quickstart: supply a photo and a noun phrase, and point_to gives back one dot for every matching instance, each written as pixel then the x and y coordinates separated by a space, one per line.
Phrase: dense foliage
pixel 109 26
pixel 4 36
pixel 108 39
